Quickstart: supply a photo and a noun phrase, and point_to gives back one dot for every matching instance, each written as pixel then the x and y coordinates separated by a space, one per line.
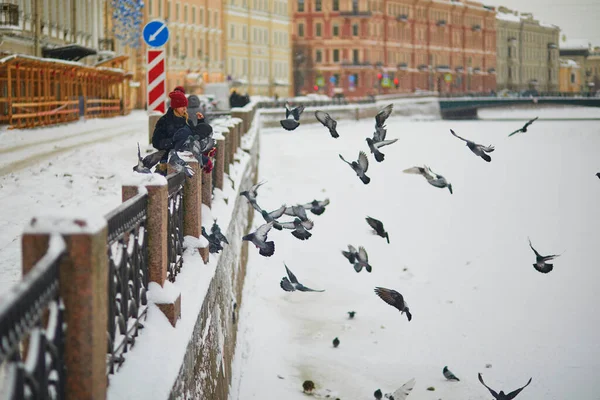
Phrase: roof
pixel 71 52
pixel 575 44
pixel 27 59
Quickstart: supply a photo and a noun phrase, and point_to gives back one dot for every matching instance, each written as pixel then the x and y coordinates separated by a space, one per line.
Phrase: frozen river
pixel 462 261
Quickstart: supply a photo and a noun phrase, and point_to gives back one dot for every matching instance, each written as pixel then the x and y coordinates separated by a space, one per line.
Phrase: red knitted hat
pixel 178 99
pixel 179 88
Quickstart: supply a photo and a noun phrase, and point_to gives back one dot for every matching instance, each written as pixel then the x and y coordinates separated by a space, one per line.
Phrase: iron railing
pixel 175 225
pixel 127 277
pixel 32 316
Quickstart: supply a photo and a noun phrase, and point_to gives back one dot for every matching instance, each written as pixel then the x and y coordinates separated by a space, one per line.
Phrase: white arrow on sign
pixel 152 37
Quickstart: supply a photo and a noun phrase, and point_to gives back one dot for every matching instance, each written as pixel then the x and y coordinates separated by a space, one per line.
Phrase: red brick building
pixel 360 47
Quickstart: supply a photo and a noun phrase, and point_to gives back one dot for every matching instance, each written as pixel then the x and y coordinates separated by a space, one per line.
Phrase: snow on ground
pixel 462 261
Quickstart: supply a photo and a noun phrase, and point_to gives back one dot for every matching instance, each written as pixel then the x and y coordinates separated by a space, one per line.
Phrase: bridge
pixel 466 107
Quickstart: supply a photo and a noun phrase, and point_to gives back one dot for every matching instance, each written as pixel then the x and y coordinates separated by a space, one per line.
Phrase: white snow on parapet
pixel 67 221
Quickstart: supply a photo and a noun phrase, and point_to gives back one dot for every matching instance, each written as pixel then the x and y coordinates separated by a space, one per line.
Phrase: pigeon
pixel 273 215
pixel 351 254
pixel 477 149
pixel 540 261
pixel 383 115
pixel 598 175
pixel 378 139
pixel 360 167
pixel 524 128
pixel 140 167
pixel 351 314
pixel 375 146
pixel 151 159
pixel 308 386
pixel 214 244
pixel 216 230
pixel 251 194
pixel 403 392
pixel 292 284
pixel 259 239
pixel 300 228
pixel 198 147
pixel 378 395
pixel 449 375
pixel 292 117
pixel 502 395
pixel 327 122
pixel 378 228
pixel 394 299
pixel 297 211
pixel 420 171
pixel 439 181
pixel 316 207
pixel 179 164
pixel 336 342
pixel 362 260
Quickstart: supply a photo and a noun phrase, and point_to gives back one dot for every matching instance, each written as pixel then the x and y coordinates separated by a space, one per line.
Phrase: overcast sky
pixel 578 19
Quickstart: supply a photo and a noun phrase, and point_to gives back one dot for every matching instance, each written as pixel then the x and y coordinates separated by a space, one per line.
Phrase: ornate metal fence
pixel 127 277
pixel 31 324
pixel 175 230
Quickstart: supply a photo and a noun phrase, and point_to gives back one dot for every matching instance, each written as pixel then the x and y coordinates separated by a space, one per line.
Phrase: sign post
pixel 156 34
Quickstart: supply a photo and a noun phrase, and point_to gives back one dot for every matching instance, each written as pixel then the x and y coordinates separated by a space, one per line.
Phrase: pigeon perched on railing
pixel 300 228
pixel 327 122
pixel 403 392
pixel 179 164
pixel 317 207
pixel 273 215
pixel 151 159
pixel 362 260
pixel 524 128
pixel 291 284
pixel 360 166
pixel 502 395
pixel 351 254
pixel 477 149
pixel 251 194
pixel 198 147
pixel 216 230
pixel 140 167
pixel 449 375
pixel 378 228
pixel 292 117
pixel 394 299
pixel 540 261
pixel 214 244
pixel 259 239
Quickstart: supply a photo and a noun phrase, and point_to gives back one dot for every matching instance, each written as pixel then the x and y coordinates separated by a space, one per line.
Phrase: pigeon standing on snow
pixel 394 299
pixel 259 239
pixel 449 375
pixel 378 395
pixel 403 392
pixel 362 260
pixel 360 167
pixel 291 284
pixel 378 228
pixel 316 207
pixel 292 117
pixel 540 261
pixel 179 164
pixel 502 395
pixel 477 149
pixel 336 342
pixel 140 167
pixel 524 128
pixel 327 122
pixel 214 244
pixel 351 314
pixel 216 230
pixel 300 228
pixel 351 254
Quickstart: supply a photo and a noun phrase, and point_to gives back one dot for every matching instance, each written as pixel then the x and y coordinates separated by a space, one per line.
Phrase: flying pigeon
pixel 378 139
pixel 598 175
pixel 300 228
pixel 140 167
pixel 524 128
pixel 198 147
pixel 351 314
pixel 378 228
pixel 214 244
pixel 383 115
pixel 360 167
pixel 251 194
pixel 292 284
pixel 328 122
pixel 316 207
pixel 378 395
pixel 273 215
pixel 420 171
pixel 449 375
pixel 216 230
pixel 540 261
pixel 362 260
pixel 439 181
pixel 292 117
pixel 477 149
pixel 351 254
pixel 375 146
pixel 259 239
pixel 179 164
pixel 297 211
pixel 336 342
pixel 394 299
pixel 502 395
pixel 403 392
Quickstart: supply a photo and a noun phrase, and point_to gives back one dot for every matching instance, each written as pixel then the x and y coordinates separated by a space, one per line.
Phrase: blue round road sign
pixel 156 33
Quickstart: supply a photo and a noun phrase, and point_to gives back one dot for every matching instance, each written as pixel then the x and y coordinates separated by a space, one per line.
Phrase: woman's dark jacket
pixel 169 124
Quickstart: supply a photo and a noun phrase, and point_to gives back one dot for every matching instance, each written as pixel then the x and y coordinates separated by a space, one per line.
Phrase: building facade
pixel 588 58
pixel 527 52
pixel 364 47
pixel 569 76
pixel 258 50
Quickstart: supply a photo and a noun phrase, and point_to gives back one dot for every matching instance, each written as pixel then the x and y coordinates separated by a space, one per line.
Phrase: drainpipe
pixel 520 56
pixel 36 28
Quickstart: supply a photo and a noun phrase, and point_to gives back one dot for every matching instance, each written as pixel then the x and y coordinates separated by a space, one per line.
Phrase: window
pixel 208 15
pixel 300 5
pixel 168 9
pixel 244 33
pixel 318 5
pixel 355 58
pixel 336 5
pixel 232 32
pixel 216 25
pixel 201 16
pixel 572 78
pixel 336 55
pixel 193 15
pixel 301 30
pixel 150 7
pixel 185 13
pixel 355 5
pixel 318 29
pixel 318 56
pixel 355 30
pixel 176 11
pixel 336 30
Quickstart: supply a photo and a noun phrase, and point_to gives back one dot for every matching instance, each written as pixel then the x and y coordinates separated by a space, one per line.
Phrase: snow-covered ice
pixel 462 261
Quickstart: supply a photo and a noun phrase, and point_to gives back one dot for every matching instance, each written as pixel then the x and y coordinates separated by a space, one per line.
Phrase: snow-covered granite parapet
pixel 66 222
pixel 136 179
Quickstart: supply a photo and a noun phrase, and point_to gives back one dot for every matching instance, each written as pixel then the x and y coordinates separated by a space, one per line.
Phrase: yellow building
pixel 568 77
pixel 258 46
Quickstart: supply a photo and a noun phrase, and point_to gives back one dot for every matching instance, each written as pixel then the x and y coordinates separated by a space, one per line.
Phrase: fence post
pixel 192 201
pixel 220 164
pixel 84 291
pixel 207 189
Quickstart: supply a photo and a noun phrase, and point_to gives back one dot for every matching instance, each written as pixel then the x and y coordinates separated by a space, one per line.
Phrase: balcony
pixel 476 28
pixel 402 66
pixel 355 64
pixel 423 67
pixel 355 13
pixel 402 18
pixel 459 69
pixel 441 23
pixel 552 46
pixel 491 70
pixel 443 68
pixel 106 44
pixel 9 14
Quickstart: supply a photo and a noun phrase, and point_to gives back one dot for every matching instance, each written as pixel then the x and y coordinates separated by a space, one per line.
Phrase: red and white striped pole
pixel 156 80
